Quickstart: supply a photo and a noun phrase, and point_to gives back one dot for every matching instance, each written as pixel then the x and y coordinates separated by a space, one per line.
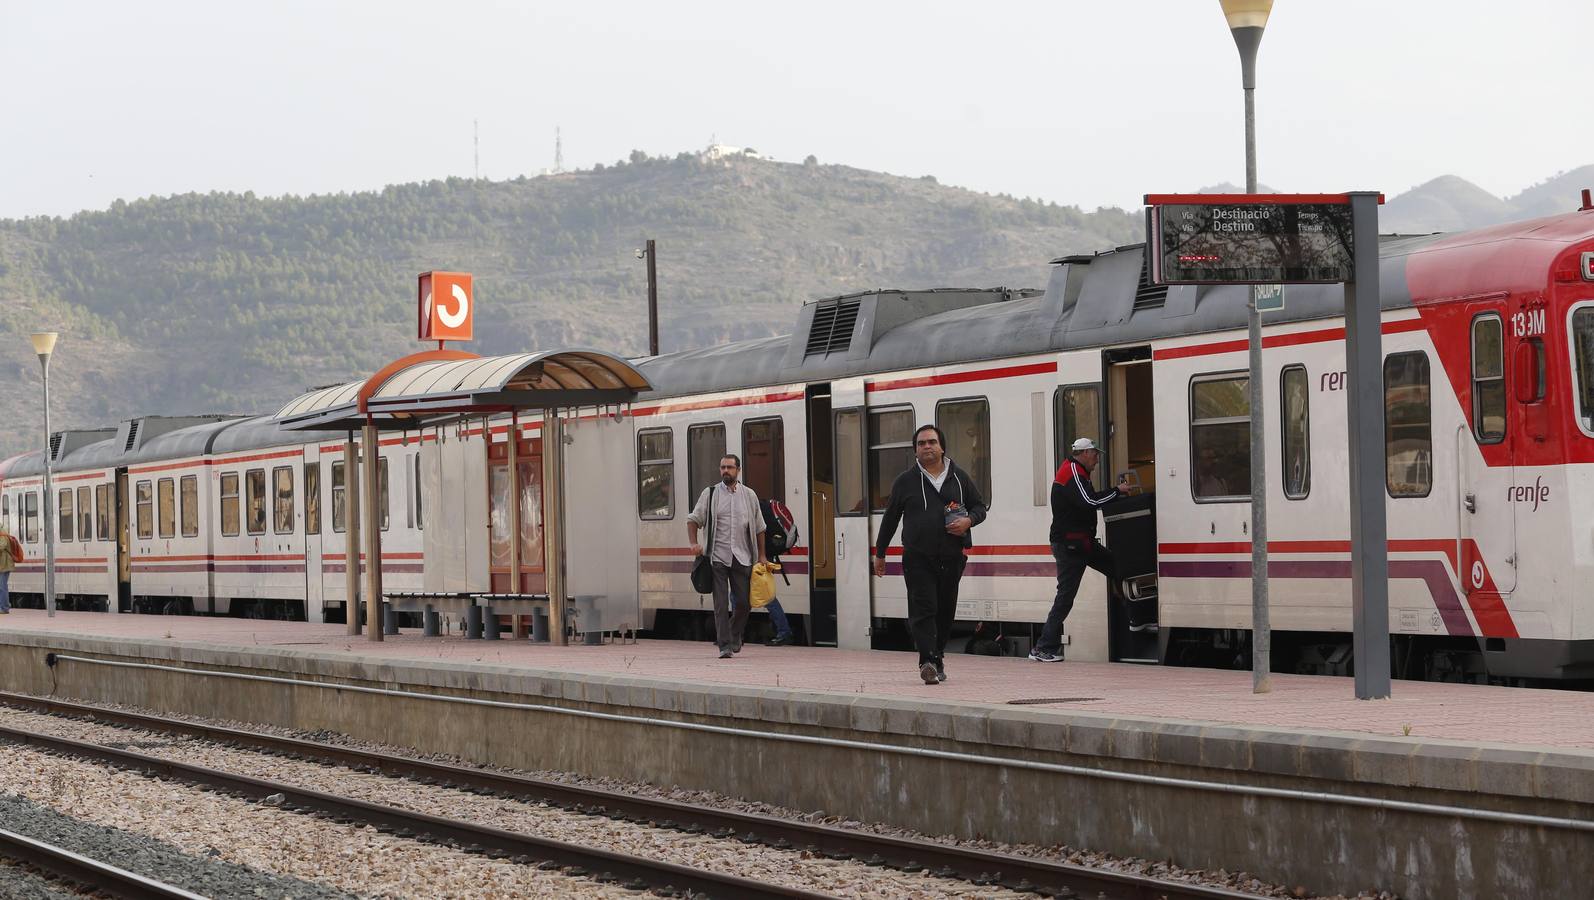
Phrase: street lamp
pixel 44 345
pixel 650 254
pixel 1246 20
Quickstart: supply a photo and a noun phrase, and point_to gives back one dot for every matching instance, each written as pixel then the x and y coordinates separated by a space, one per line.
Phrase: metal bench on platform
pixel 477 607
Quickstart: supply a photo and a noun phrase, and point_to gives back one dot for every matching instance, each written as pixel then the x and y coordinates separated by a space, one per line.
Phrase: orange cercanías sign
pixel 447 306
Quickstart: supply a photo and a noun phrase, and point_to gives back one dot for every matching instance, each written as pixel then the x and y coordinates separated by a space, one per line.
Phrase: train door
pixel 853 553
pixel 1130 524
pixel 314 579
pixel 1487 523
pixel 124 555
pixel 821 518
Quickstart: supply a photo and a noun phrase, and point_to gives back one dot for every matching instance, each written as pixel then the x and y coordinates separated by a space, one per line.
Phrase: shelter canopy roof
pixel 442 384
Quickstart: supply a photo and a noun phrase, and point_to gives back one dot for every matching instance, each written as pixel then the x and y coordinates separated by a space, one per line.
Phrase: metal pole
pixel 553 522
pixel 512 458
pixel 49 496
pixel 653 300
pixel 1369 529
pixel 371 449
pixel 351 534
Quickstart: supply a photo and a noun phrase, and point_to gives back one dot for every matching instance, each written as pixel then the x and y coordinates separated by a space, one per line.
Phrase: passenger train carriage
pixel 1489 438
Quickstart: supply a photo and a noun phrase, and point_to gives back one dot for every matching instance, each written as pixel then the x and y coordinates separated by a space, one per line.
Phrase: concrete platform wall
pixel 1324 846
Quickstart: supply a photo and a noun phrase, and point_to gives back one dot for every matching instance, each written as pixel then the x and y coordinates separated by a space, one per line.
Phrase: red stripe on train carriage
pixel 1279 340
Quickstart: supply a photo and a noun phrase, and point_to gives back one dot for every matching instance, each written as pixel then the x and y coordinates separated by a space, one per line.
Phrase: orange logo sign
pixel 447 306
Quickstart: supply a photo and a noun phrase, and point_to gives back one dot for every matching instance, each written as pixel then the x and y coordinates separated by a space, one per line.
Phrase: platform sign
pixel 446 306
pixel 1268 297
pixel 1249 239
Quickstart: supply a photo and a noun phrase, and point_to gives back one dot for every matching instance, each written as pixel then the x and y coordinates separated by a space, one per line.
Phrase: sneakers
pixel 725 653
pixel 1045 656
pixel 940 672
pixel 784 640
pixel 736 647
pixel 928 673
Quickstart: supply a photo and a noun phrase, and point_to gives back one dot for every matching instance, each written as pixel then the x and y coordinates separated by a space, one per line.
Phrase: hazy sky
pixel 1087 103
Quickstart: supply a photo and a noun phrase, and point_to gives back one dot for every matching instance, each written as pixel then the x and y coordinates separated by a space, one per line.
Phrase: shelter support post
pixel 1369 528
pixel 373 532
pixel 553 519
pixel 351 533
pixel 512 456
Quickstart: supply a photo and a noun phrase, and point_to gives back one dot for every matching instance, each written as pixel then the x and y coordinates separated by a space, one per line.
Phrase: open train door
pixel 1130 523
pixel 124 559
pixel 854 578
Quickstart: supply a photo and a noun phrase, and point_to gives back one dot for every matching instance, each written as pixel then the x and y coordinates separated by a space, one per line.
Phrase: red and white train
pixel 1489 426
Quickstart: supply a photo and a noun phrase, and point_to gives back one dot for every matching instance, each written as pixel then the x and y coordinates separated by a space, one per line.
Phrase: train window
pixel 339 499
pixel 30 517
pixel 85 513
pixel 764 458
pixel 282 500
pixel 1295 399
pixel 229 504
pixel 848 432
pixel 5 511
pixel 967 424
pixel 188 495
pixel 102 512
pixel 1408 425
pixel 144 506
pixel 655 474
pixel 1078 415
pixel 381 481
pixel 255 501
pixel 409 495
pixel 890 452
pixel 64 519
pixel 420 520
pixel 1582 337
pixel 312 498
pixel 1488 379
pixel 705 447
pixel 166 500
pixel 1220 439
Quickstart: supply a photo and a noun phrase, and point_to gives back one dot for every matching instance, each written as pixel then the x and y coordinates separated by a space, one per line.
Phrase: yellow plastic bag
pixel 763 586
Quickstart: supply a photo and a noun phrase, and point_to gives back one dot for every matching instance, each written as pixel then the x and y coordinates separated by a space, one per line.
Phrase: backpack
pixel 780 528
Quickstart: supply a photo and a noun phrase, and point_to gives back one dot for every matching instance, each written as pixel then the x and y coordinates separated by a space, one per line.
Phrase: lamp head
pixel 43 342
pixel 1246 13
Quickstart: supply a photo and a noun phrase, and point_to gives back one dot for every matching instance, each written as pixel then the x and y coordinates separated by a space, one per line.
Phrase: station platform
pixel 1443 790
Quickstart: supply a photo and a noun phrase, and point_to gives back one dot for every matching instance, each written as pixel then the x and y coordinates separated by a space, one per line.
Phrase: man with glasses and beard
pixel 729 510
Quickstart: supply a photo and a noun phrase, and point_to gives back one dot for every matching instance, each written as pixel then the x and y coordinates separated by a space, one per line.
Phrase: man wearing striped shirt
pixel 1075 504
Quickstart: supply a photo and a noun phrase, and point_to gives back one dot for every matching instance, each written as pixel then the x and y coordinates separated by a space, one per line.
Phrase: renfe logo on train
pixel 1283 242
pixel 447 306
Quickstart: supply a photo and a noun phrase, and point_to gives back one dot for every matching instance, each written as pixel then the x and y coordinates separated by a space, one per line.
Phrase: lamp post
pixel 1246 20
pixel 44 345
pixel 650 255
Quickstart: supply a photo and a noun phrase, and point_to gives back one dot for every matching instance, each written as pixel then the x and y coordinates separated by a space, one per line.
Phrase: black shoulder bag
pixel 702 569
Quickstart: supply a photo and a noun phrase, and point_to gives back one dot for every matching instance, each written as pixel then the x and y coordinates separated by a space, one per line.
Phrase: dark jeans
pixel 1073 557
pixel 730 620
pixel 932 600
pixel 777 618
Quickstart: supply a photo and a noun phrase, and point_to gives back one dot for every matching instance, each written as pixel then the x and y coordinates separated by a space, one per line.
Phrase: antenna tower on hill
pixel 558 151
pixel 476 127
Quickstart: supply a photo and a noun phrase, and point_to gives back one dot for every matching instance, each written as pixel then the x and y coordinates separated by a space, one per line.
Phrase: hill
pixel 236 303
pixel 1449 203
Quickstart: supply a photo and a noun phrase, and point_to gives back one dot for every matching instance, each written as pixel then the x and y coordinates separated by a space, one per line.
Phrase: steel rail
pixel 980 866
pixel 632 871
pixel 91 873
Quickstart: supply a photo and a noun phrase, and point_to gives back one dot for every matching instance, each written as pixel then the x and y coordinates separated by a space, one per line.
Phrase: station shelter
pixel 503 441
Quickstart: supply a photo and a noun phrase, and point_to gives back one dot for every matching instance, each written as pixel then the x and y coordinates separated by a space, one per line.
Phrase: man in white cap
pixel 1074 546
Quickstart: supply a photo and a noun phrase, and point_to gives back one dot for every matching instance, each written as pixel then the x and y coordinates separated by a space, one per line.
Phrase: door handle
pixel 1471 502
pixel 841 549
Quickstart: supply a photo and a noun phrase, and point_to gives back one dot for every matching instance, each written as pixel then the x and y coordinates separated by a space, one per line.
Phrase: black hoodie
pixel 922 511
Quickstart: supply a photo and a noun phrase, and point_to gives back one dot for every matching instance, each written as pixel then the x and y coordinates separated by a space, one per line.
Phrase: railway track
pixel 103 878
pixel 977 866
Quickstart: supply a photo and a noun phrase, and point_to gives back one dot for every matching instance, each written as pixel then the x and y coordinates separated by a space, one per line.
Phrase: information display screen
pixel 1250 243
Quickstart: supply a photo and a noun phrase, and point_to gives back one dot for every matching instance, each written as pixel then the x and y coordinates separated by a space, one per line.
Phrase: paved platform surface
pixel 1516 717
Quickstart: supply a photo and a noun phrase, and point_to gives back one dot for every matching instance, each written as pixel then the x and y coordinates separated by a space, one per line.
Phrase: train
pixel 1488 383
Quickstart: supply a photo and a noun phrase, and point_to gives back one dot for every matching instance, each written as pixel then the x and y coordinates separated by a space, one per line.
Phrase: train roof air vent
pixel 55 446
pixel 132 436
pixel 1148 295
pixel 831 330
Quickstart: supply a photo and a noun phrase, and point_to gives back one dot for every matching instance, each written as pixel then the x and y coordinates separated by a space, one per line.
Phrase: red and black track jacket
pixel 1075 503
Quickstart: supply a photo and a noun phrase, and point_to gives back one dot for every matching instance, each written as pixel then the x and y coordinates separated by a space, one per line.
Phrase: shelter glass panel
pixel 1582 337
pixel 30 517
pixel 1408 425
pixel 282 494
pixel 64 520
pixel 655 474
pixel 850 495
pixel 102 512
pixel 1296 418
pixel 1078 415
pixel 229 504
pixel 339 499
pixel 144 506
pixel 764 458
pixel 530 514
pixel 1488 379
pixel 255 501
pixel 890 452
pixel 166 497
pixel 312 498
pixel 705 447
pixel 498 515
pixel 967 425
pixel 188 494
pixel 85 513
pixel 1220 439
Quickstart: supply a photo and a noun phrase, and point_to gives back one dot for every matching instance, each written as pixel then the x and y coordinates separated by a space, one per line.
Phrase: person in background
pixel 776 540
pixel 10 555
pixel 1073 538
pixel 937 504
pixel 729 510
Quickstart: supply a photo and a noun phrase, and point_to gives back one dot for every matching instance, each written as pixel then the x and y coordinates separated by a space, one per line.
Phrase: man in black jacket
pixel 937 503
pixel 1073 537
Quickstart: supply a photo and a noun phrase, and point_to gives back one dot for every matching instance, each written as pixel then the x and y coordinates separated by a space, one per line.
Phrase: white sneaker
pixel 1043 656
